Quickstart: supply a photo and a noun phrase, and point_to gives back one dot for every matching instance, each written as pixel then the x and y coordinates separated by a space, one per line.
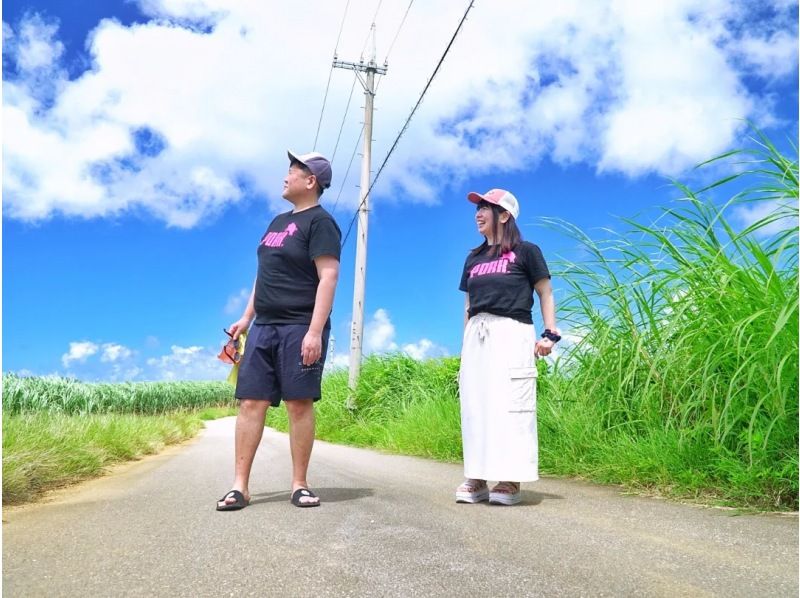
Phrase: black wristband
pixel 550 335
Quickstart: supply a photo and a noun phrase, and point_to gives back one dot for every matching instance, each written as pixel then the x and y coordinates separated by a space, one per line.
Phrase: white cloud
pixel 379 337
pixel 120 363
pixel 773 55
pixel 748 215
pixel 338 355
pixel 79 352
pixel 379 333
pixel 338 361
pixel 236 303
pixel 424 349
pixel 187 363
pixel 34 46
pixel 180 114
pixel 115 352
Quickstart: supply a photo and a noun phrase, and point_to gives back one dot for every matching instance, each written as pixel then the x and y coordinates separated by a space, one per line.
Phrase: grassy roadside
pixel 57 431
pixel 43 450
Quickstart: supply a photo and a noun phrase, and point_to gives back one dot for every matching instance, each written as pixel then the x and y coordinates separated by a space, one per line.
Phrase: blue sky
pixel 144 153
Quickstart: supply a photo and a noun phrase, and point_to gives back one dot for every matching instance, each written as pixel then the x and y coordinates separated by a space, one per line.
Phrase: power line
pixel 398 31
pixel 408 120
pixel 330 74
pixel 347 172
pixel 321 112
pixel 344 117
pixel 341 26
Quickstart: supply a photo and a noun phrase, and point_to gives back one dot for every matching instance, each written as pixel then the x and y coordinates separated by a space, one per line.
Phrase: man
pixel 298 267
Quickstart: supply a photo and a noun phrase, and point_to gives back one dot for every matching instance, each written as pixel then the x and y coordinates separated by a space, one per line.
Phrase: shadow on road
pixel 532 498
pixel 325 495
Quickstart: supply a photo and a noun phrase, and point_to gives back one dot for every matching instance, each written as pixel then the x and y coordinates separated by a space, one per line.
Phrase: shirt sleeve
pixel 537 267
pixel 463 285
pixel 325 238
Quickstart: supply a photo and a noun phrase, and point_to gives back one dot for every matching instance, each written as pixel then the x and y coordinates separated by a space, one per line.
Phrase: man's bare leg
pixel 301 441
pixel 249 429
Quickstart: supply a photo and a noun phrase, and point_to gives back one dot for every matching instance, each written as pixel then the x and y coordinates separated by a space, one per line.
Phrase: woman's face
pixel 484 218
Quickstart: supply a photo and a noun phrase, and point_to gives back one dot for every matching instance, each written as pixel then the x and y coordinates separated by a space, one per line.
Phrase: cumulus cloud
pixel 189 112
pixel 338 354
pixel 79 352
pixel 187 363
pixel 782 216
pixel 237 302
pixel 34 46
pixel 773 55
pixel 379 337
pixel 120 363
pixel 338 361
pixel 379 333
pixel 424 349
pixel 115 352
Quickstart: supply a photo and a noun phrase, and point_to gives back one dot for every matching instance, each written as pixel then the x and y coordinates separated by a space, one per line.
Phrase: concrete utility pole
pixel 357 330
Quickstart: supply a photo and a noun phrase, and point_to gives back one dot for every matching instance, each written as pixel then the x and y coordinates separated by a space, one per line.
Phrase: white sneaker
pixel 472 491
pixel 505 498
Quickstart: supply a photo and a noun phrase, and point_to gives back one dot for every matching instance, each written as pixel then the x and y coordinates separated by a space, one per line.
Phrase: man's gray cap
pixel 317 164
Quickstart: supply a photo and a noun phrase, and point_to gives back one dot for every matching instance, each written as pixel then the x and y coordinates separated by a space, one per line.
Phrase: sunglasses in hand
pixel 230 352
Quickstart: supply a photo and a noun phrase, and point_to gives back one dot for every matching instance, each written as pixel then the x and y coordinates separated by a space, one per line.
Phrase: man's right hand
pixel 238 327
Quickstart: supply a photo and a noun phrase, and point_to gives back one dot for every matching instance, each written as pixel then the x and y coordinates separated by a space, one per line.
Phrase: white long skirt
pixel 497 385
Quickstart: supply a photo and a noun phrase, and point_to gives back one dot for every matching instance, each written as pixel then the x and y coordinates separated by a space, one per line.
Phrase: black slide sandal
pixel 303 492
pixel 240 502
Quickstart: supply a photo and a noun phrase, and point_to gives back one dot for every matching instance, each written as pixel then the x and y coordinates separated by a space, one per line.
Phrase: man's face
pixel 297 182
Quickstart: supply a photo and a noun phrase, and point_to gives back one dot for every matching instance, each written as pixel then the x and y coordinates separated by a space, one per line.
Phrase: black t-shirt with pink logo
pixel 286 285
pixel 503 284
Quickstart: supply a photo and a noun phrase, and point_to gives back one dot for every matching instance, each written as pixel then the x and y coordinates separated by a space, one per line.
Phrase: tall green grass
pixel 686 372
pixel 70 396
pixel 402 405
pixel 57 431
pixel 683 374
pixel 44 450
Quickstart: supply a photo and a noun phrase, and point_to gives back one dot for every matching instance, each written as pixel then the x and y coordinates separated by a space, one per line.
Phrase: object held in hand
pixel 230 352
pixel 551 335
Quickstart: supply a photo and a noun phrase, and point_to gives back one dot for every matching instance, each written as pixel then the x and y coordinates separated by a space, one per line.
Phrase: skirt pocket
pixel 522 397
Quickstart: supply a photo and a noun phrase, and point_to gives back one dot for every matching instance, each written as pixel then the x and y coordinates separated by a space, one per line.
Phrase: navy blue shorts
pixel 272 367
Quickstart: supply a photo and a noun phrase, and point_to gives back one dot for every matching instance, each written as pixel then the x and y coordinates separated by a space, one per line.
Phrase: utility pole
pixel 357 329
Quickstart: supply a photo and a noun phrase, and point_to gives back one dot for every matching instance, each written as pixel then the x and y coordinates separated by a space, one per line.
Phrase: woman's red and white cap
pixel 500 197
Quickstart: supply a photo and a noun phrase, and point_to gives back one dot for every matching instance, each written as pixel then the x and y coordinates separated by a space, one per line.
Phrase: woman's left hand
pixel 544 347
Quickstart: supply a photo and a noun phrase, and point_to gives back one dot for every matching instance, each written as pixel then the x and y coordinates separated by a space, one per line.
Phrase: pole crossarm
pixel 361 66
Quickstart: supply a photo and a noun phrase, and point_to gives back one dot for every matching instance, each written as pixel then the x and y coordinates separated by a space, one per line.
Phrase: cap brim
pixel 294 158
pixel 475 197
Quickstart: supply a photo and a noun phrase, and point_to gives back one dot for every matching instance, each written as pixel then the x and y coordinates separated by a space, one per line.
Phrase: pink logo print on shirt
pixel 276 239
pixel 494 267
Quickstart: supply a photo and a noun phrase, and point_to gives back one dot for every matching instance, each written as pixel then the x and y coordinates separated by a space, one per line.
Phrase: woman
pixel 497 381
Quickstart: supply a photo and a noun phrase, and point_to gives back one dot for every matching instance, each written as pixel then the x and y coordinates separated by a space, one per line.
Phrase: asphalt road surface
pixel 388 526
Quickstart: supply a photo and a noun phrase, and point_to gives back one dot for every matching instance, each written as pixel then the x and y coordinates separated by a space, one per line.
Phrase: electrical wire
pixel 347 172
pixel 330 74
pixel 386 60
pixel 344 117
pixel 408 120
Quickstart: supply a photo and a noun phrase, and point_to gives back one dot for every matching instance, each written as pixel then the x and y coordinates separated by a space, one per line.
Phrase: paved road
pixel 388 527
